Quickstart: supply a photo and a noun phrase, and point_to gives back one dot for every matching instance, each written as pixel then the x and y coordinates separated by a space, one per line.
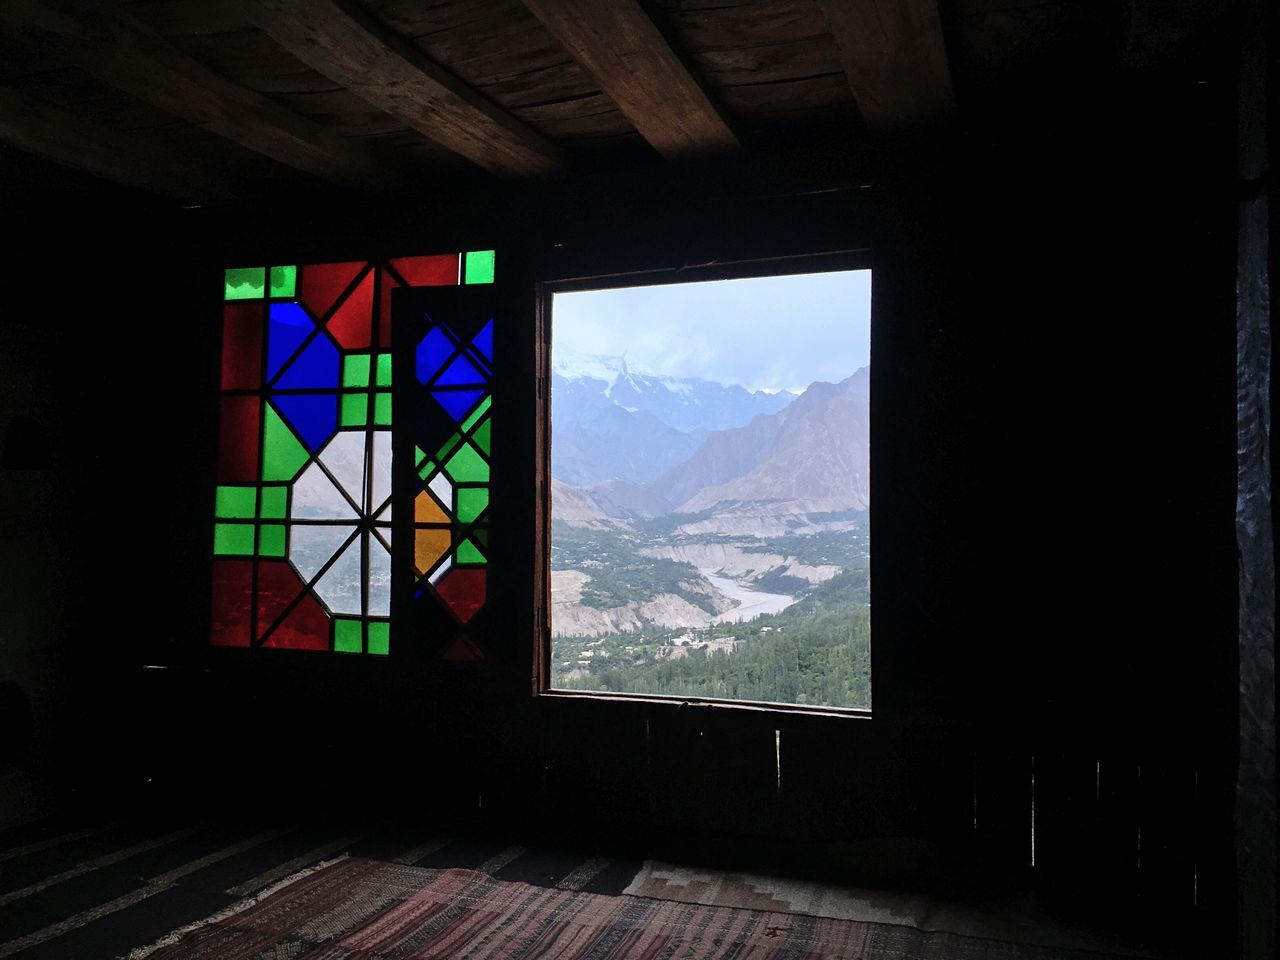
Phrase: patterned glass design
pixel 302 531
pixel 453 366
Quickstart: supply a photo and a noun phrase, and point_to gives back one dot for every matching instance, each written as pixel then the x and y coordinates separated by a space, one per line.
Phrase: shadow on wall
pixel 38 569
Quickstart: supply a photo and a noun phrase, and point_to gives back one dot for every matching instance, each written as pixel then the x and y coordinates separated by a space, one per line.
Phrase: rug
pixel 1012 919
pixel 372 910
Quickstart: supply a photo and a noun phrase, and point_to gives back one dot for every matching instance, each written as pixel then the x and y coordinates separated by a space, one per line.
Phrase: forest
pixel 816 652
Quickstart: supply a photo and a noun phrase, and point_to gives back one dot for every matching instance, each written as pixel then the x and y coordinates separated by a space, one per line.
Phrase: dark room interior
pixel 1067 211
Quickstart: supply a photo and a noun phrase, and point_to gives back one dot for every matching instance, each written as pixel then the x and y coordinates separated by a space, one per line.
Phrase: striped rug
pixel 374 910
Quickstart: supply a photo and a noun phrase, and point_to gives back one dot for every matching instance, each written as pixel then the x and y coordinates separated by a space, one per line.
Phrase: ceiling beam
pixel 124 52
pixel 624 52
pixel 342 41
pixel 896 61
pixel 63 137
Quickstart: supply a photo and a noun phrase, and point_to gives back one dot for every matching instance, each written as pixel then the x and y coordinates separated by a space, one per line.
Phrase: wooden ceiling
pixel 206 100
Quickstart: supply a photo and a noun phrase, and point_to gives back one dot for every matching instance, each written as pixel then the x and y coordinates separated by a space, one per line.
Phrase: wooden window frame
pixel 783 265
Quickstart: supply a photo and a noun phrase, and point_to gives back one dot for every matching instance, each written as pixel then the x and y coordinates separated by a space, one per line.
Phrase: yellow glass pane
pixel 429 545
pixel 426 510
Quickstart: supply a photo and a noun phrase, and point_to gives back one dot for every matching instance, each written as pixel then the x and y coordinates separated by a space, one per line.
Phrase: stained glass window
pixel 453 361
pixel 302 531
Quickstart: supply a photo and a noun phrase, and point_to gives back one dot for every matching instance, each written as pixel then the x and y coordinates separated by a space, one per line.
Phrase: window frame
pixel 545 290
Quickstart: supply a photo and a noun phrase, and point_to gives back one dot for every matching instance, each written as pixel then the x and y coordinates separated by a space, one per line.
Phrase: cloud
pixel 774 333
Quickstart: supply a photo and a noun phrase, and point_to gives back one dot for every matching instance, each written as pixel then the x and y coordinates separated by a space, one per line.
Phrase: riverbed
pixel 751 603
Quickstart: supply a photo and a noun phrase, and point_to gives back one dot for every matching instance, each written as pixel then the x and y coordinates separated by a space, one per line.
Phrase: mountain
pixel 611 421
pixel 618 498
pixel 613 443
pixel 815 452
pixel 572 506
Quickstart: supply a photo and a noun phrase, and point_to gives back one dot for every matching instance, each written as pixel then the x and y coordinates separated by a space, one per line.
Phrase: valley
pixel 733 563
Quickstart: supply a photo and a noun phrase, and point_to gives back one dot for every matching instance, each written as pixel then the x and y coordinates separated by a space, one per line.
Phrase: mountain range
pixel 629 444
pixel 611 422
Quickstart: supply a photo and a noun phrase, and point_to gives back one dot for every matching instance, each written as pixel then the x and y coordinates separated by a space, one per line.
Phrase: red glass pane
pixel 351 325
pixel 389 283
pixel 436 271
pixel 232 599
pixel 306 627
pixel 322 283
pixel 463 650
pixel 463 592
pixel 238 440
pixel 241 346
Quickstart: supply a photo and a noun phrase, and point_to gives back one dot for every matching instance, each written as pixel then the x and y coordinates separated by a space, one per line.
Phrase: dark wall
pixel 1054 563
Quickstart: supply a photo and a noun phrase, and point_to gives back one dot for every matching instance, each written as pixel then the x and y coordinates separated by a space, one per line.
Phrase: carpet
pixel 374 910
pixel 1011 920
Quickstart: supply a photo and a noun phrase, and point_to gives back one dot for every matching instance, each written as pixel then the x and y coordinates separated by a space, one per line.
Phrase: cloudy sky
pixel 766 333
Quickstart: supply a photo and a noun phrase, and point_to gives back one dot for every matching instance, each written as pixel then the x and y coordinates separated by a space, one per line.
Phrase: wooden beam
pixel 896 61
pixel 342 41
pixel 64 138
pixel 1255 800
pixel 124 52
pixel 622 50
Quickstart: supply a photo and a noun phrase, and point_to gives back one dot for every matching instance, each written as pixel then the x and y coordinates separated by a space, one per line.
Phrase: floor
pixel 84 888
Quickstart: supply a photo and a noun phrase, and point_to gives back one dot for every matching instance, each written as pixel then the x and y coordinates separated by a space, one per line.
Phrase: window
pixel 710 488
pixel 303 510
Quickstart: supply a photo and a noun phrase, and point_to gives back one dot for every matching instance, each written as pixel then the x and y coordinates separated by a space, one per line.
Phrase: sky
pixel 764 333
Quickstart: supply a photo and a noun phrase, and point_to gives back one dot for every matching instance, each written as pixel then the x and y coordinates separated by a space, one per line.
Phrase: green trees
pixel 815 652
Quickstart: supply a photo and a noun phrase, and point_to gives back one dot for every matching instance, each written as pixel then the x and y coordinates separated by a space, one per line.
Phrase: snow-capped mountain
pixel 611 421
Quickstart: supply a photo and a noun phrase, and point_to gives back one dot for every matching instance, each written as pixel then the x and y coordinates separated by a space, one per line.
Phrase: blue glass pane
pixel 316 367
pixel 460 371
pixel 457 403
pixel 287 329
pixel 314 417
pixel 433 350
pixel 484 342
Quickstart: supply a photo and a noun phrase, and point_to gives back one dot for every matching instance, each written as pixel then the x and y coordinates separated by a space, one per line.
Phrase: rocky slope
pixel 815 453
pixel 569 617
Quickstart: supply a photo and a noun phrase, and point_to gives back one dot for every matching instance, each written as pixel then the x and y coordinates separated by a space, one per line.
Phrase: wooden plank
pixel 896 61
pixel 126 53
pixel 1255 803
pixel 57 135
pixel 619 46
pixel 1066 795
pixel 1003 810
pixel 1166 814
pixel 346 44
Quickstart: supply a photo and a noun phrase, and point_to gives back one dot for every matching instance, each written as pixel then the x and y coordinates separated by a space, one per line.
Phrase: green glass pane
pixel 448 446
pixel 477 413
pixel 235 502
pixel 284 281
pixel 481 536
pixel 275 502
pixel 428 468
pixel 379 637
pixel 355 370
pixel 418 455
pixel 282 453
pixel 480 266
pixel 355 409
pixel 271 540
pixel 384 370
pixel 382 409
pixel 245 283
pixel 471 502
pixel 233 538
pixel 467 465
pixel 481 436
pixel 468 552
pixel 346 636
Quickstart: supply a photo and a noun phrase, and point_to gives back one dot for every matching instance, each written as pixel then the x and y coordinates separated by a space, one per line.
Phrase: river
pixel 751 603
